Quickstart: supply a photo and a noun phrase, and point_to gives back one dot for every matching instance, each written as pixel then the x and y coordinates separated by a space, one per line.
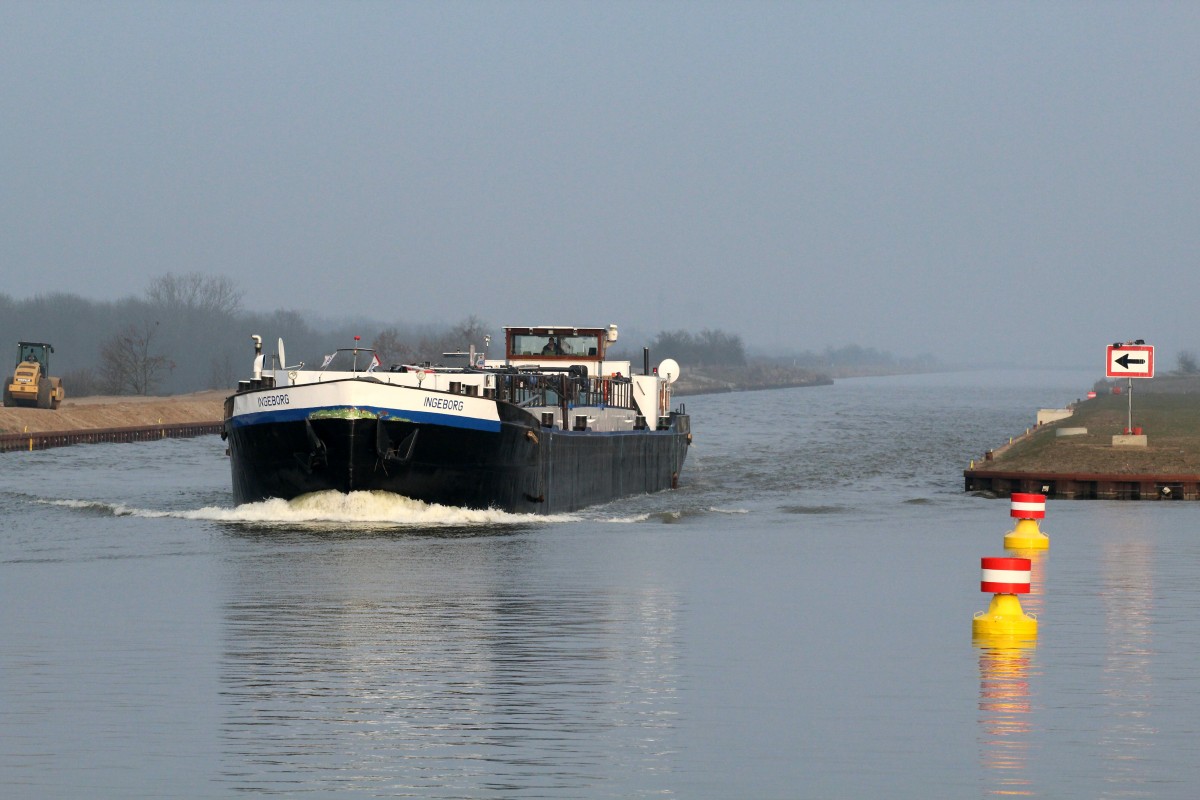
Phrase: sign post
pixel 1130 360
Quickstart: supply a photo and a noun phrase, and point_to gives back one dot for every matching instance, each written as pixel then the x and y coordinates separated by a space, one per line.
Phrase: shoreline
pixel 1087 455
pixel 752 378
pixel 108 412
pixel 122 411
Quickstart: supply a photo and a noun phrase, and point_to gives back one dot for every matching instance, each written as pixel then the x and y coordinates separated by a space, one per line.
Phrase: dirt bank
pixel 114 412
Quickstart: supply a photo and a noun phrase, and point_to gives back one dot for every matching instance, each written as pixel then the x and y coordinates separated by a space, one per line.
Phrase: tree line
pixel 708 348
pixel 717 348
pixel 191 332
pixel 851 357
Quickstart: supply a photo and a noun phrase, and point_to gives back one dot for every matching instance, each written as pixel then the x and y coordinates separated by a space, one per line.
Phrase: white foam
pixel 373 508
pixel 672 515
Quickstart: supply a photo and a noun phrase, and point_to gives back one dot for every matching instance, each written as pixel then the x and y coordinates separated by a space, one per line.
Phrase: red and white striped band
pixel 1028 506
pixel 1002 575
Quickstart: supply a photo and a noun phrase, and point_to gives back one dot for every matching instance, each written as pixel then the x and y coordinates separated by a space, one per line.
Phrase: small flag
pixel 328 358
pixel 374 362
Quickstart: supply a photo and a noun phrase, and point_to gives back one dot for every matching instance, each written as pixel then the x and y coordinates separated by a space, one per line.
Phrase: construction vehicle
pixel 31 384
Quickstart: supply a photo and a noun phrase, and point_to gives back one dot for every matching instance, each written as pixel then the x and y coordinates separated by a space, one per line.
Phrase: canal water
pixel 793 622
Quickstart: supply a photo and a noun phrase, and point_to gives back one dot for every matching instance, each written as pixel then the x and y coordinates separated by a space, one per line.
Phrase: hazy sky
pixel 983 181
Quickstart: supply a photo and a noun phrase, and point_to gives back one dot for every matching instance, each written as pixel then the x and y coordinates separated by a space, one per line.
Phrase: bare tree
pixel 708 348
pixel 1187 362
pixel 469 332
pixel 127 363
pixel 221 374
pixel 81 382
pixel 386 344
pixel 194 291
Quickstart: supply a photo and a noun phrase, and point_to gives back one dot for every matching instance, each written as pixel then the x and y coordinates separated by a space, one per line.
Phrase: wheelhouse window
pixel 569 345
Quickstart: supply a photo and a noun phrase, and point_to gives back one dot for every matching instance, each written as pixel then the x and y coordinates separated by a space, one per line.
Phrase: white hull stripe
pixel 364 400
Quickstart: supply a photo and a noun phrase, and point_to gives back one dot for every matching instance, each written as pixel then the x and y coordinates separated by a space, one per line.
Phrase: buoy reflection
pixel 1005 668
pixel 1034 601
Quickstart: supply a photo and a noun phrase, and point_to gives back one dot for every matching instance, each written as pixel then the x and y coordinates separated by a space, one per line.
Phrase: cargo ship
pixel 552 427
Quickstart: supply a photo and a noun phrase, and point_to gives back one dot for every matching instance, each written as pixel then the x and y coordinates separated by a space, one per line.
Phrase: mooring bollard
pixel 1027 509
pixel 1006 578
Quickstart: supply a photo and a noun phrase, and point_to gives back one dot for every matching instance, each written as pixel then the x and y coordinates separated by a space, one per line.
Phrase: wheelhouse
pixel 557 343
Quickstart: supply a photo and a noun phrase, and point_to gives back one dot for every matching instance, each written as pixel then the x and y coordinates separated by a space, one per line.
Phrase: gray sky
pixel 982 181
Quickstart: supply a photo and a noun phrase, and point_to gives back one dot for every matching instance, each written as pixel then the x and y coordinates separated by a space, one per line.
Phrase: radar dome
pixel 669 370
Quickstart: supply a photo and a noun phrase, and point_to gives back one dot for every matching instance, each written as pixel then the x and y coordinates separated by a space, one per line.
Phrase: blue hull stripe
pixel 387 414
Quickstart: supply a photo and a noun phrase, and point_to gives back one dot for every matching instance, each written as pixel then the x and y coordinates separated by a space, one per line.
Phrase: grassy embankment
pixel 1171 422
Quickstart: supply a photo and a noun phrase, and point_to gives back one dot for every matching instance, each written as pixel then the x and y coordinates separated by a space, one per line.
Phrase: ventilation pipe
pixel 258 357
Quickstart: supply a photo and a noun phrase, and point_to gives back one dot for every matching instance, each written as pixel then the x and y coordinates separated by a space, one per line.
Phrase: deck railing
pixel 551 389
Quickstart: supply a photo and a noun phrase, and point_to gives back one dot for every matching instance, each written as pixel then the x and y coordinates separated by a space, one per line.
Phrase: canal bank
pixel 1089 450
pixel 746 378
pixel 111 419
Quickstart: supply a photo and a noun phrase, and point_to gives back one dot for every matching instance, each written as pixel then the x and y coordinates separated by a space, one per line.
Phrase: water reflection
pixel 1006 665
pixel 1127 679
pixel 1005 721
pixel 430 668
pixel 1035 601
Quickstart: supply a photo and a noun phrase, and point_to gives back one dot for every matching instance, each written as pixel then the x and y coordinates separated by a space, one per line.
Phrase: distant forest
pixel 716 348
pixel 705 349
pixel 852 359
pixel 191 332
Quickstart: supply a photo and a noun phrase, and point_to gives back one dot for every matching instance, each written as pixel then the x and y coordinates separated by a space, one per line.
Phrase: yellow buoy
pixel 1025 535
pixel 1006 577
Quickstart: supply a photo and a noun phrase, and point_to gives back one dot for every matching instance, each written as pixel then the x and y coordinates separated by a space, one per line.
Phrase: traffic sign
pixel 1130 361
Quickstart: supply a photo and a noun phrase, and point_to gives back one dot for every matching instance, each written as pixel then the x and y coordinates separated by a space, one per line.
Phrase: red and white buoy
pixel 1005 577
pixel 1027 509
pixel 1027 506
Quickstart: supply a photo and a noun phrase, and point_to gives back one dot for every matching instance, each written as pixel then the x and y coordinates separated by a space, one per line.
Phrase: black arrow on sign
pixel 1125 361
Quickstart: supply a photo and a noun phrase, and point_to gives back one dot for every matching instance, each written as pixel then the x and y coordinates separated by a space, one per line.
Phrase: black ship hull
pixel 522 467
